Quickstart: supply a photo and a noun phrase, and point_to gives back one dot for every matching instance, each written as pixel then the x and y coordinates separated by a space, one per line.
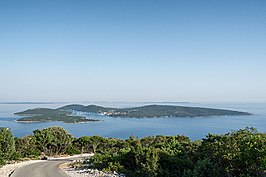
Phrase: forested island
pixel 239 153
pixel 64 114
pixel 48 115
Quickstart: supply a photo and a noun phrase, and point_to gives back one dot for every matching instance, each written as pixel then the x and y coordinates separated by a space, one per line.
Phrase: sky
pixel 141 50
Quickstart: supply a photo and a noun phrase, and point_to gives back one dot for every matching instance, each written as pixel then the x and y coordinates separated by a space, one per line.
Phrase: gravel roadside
pixel 90 173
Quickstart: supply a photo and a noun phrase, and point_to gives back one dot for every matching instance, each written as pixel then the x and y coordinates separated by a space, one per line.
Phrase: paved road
pixel 48 168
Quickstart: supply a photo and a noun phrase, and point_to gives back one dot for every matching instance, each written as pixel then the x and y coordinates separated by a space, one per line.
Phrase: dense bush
pixel 26 146
pixel 240 153
pixel 53 140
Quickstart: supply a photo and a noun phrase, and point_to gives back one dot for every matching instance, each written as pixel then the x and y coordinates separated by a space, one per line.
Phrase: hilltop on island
pixel 64 114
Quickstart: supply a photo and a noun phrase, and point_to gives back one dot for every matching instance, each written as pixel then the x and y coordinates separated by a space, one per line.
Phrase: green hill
pixel 173 111
pixel 48 115
pixel 89 108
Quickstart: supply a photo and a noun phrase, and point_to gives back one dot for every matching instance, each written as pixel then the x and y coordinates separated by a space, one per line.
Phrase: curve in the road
pixel 48 168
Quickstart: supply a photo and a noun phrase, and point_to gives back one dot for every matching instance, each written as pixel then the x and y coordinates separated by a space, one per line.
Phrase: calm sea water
pixel 194 128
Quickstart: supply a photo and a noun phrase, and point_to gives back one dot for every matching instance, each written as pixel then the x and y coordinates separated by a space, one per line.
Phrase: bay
pixel 194 128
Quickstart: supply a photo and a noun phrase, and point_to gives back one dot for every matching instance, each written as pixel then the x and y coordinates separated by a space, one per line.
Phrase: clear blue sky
pixel 141 50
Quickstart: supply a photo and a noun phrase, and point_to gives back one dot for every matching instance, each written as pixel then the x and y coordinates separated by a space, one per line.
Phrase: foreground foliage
pixel 239 153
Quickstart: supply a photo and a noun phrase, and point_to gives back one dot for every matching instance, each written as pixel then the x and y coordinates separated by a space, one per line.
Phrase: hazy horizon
pixel 133 51
pixel 103 103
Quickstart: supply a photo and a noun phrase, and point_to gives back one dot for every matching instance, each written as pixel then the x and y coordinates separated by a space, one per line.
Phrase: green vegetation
pixel 239 153
pixel 172 111
pixel 64 114
pixel 7 145
pixel 47 115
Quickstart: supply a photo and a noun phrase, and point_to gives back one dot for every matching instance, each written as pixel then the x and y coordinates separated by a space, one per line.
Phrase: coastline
pixel 33 121
pixel 29 121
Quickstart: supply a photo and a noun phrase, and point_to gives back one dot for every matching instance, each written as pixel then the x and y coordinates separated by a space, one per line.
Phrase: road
pixel 47 168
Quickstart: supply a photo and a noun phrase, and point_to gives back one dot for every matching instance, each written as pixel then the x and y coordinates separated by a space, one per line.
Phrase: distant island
pixel 49 115
pixel 64 114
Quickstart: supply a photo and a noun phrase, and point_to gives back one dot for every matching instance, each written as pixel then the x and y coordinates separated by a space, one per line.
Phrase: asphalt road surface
pixel 47 168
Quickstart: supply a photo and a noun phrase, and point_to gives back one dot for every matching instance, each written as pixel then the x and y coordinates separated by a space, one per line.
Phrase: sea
pixel 123 128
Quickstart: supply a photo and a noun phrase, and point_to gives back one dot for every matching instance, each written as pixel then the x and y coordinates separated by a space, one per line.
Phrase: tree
pixel 26 146
pixel 84 144
pixel 53 140
pixel 7 145
pixel 92 143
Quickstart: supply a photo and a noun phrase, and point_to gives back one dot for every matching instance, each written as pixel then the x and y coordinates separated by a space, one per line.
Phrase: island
pixel 64 114
pixel 50 115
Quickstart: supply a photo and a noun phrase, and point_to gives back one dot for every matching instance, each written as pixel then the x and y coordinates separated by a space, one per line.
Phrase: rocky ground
pixel 81 171
pixel 90 173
